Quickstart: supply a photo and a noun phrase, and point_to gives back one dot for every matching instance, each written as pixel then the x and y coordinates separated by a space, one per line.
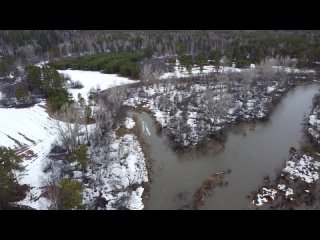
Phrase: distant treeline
pixel 30 46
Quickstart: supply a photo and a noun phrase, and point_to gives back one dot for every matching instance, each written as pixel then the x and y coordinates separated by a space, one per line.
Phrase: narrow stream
pixel 252 151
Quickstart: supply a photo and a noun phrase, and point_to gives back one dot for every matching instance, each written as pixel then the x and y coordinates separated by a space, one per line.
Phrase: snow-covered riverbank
pixel 297 183
pixel 32 132
pixel 191 109
pixel 293 188
pixel 314 120
pixel 119 181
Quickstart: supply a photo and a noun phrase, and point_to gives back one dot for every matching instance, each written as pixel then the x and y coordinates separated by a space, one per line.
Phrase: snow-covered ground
pixel 294 70
pixel 32 122
pixel 115 179
pixel 41 64
pixel 263 197
pixel 180 71
pixel 31 132
pixel 129 123
pixel 26 130
pixel 304 168
pixel 314 122
pixel 93 79
pixel 270 194
pixel 300 172
pixel 300 169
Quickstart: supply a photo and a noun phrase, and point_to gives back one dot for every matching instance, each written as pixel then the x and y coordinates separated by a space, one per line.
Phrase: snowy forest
pixel 155 119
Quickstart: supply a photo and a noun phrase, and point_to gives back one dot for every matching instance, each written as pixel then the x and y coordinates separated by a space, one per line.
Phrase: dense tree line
pixel 123 63
pixel 30 46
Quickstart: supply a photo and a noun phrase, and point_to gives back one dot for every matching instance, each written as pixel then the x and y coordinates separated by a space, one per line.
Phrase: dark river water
pixel 252 151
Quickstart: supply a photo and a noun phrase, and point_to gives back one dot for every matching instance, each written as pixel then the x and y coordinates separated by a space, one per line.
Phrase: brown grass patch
pixel 145 110
pixel 121 132
pixel 206 189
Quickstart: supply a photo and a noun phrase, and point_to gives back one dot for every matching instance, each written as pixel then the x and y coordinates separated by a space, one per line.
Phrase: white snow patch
pixel 303 168
pixel 129 123
pixel 31 200
pixel 77 174
pixel 35 124
pixel 270 89
pixel 313 120
pixel 126 167
pixel 289 191
pixel 135 202
pixel 292 70
pixel 313 133
pixel 192 119
pixel 281 186
pixel 180 72
pixel 41 64
pixel 150 91
pixel 93 79
pixel 261 198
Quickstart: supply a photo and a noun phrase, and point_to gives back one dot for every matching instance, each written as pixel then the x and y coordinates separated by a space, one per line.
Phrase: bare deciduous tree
pixel 266 68
pixel 247 79
pixel 216 106
pixel 148 73
pixel 69 126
